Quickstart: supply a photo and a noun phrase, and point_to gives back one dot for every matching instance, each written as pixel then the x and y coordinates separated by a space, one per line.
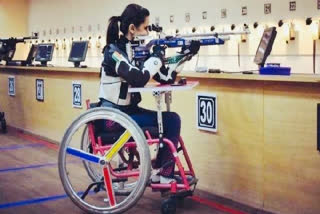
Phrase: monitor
pixel 78 52
pixel 32 54
pixel 21 52
pixel 44 53
pixel 265 46
pixel 22 56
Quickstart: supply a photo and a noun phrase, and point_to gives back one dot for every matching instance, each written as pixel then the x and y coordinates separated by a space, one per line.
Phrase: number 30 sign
pixel 207 112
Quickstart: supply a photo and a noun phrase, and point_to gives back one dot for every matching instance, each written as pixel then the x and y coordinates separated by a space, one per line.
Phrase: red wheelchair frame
pixel 182 190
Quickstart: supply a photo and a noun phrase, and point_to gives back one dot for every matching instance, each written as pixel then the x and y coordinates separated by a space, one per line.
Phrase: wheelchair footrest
pixel 178 195
pixel 191 180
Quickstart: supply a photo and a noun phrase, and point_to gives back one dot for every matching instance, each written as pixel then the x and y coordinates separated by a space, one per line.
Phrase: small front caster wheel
pixel 168 206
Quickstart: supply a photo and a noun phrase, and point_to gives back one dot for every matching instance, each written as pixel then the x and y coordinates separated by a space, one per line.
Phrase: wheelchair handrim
pixel 129 124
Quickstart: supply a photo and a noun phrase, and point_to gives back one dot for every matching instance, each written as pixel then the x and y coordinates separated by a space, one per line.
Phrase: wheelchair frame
pixel 98 147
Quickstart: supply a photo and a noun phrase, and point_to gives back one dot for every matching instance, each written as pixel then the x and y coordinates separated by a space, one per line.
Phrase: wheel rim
pixel 142 147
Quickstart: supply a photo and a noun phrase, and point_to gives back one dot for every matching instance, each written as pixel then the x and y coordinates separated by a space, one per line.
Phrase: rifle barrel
pixel 20 39
pixel 213 34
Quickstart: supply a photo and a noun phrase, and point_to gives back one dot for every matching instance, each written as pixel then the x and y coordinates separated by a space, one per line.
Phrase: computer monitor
pixel 21 52
pixel 32 54
pixel 78 52
pixel 44 53
pixel 22 56
pixel 265 46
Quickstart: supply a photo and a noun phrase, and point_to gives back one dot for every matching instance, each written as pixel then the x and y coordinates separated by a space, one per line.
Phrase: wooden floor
pixel 29 183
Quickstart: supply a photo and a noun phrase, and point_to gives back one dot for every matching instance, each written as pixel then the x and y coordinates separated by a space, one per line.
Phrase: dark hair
pixel 133 14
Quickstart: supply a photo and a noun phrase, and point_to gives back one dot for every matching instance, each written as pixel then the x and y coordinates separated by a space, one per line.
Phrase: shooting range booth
pixel 240 83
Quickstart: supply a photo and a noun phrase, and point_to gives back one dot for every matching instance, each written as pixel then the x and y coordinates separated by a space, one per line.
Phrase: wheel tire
pixel 136 132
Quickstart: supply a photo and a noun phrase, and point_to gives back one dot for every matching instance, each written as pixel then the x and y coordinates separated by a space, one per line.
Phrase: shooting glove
pixel 156 60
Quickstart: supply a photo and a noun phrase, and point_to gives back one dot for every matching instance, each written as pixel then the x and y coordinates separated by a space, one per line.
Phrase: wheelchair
pixel 108 171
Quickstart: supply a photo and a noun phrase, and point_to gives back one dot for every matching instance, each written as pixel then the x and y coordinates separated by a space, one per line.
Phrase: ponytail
pixel 133 14
pixel 113 30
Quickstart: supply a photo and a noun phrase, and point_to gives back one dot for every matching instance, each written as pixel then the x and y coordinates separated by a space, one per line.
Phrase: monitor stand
pixel 43 64
pixel 77 65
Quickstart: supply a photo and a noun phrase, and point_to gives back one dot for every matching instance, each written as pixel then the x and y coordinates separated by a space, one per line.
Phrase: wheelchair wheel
pixel 75 150
pixel 94 172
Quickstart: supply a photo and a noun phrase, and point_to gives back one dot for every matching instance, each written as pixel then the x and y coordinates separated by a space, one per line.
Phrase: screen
pixel 44 52
pixel 265 46
pixel 32 52
pixel 21 52
pixel 78 51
